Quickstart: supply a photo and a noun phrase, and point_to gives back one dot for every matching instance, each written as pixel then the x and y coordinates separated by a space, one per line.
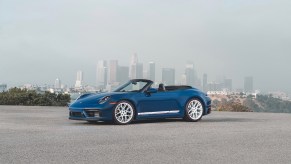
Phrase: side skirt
pixel 158 112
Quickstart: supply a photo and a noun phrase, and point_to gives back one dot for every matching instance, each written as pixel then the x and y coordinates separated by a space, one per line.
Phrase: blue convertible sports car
pixel 137 100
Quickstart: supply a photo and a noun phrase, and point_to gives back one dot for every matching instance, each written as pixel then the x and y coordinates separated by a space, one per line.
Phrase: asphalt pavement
pixel 45 135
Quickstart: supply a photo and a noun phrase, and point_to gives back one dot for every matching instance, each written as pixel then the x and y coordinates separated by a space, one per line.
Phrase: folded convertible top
pixel 177 87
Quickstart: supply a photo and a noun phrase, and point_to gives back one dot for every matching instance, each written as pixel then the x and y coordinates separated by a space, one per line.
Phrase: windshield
pixel 132 86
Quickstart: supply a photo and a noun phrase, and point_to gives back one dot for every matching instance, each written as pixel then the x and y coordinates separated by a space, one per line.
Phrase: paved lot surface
pixel 45 135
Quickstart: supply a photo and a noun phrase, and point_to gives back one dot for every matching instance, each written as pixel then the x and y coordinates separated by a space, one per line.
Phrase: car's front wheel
pixel 194 110
pixel 123 113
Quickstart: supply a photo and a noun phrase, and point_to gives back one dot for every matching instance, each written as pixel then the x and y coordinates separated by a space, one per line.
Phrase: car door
pixel 158 104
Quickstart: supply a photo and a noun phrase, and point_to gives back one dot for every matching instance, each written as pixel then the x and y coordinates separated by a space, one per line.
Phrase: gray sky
pixel 48 39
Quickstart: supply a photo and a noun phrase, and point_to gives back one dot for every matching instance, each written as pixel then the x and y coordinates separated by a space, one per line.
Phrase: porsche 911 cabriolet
pixel 137 100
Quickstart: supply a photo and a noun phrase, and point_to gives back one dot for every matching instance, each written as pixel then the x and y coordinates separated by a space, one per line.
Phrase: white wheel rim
pixel 195 109
pixel 123 112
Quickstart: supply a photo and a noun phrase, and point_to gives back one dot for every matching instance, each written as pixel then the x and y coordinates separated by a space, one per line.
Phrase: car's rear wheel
pixel 123 113
pixel 194 110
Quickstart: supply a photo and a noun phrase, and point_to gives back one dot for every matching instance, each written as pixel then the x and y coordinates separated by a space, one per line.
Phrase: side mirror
pixel 152 90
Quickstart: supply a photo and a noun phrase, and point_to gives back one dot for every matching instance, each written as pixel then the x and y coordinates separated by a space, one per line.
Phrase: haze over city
pixel 44 40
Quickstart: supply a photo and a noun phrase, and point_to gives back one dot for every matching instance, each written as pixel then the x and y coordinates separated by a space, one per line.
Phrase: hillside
pixel 242 103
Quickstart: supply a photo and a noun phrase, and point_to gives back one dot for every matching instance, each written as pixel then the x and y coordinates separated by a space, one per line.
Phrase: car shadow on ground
pixel 229 120
pixel 132 123
pixel 171 120
pixel 158 121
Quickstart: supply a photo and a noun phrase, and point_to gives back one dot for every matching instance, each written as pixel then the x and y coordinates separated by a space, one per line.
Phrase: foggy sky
pixel 48 39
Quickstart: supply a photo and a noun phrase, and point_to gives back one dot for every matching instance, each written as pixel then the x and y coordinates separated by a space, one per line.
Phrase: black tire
pixel 123 113
pixel 194 115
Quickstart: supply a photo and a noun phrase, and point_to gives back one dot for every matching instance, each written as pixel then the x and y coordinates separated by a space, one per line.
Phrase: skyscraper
pixel 58 83
pixel 191 75
pixel 189 72
pixel 133 67
pixel 205 83
pixel 139 71
pixel 168 76
pixel 113 66
pixel 145 74
pixel 79 81
pixel 152 71
pixel 183 80
pixel 101 74
pixel 122 74
pixel 248 84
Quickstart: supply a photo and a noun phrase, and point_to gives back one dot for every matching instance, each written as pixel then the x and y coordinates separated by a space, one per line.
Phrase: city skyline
pixel 136 70
pixel 109 74
pixel 44 40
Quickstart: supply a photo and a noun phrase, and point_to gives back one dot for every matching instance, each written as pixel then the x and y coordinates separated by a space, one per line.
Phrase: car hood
pixel 92 100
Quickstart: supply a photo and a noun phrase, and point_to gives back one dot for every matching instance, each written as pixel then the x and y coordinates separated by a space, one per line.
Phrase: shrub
pixel 17 96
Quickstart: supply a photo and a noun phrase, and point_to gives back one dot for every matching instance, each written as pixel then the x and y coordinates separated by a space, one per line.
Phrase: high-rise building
pixel 205 82
pixel 191 75
pixel 133 67
pixel 183 80
pixel 79 81
pixel 139 71
pixel 248 84
pixel 113 66
pixel 122 74
pixel 58 83
pixel 101 74
pixel 152 71
pixel 228 84
pixel 168 76
pixel 145 74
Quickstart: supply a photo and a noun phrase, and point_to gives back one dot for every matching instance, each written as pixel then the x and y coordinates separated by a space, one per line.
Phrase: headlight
pixel 104 99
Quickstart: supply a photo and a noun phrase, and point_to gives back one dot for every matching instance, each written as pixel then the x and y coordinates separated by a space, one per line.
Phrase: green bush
pixel 17 96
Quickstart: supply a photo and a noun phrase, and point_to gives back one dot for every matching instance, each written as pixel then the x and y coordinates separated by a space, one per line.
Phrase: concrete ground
pixel 45 135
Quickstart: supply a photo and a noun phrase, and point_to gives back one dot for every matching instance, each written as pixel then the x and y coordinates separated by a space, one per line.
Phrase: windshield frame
pixel 148 84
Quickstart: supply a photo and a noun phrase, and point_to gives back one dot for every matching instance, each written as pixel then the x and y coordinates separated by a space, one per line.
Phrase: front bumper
pixel 208 104
pixel 209 109
pixel 86 114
